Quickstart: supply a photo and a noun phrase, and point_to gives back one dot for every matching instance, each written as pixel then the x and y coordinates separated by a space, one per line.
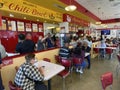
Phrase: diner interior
pixel 75 42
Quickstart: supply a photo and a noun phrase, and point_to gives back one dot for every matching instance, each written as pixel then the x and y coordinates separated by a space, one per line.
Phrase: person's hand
pixel 41 69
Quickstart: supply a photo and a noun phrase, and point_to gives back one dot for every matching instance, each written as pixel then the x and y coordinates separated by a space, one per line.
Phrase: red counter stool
pixel 66 72
pixel 107 80
pixel 58 59
pixel 13 87
pixel 118 65
pixel 47 59
pixel 96 51
pixel 109 51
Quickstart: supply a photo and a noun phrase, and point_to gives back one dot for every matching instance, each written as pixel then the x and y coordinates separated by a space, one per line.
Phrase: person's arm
pixel 33 73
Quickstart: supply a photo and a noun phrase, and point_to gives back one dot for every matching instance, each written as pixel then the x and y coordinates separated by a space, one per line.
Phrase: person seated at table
pixel 28 73
pixel 28 45
pixel 21 38
pixel 64 51
pixel 2 50
pixel 87 49
pixel 80 54
pixel 102 47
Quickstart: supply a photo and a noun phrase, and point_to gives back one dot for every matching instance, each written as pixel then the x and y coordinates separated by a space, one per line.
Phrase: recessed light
pixel 45 21
pixel 38 20
pixel 11 15
pixel 24 17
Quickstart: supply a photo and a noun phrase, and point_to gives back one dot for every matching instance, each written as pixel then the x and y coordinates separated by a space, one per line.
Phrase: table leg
pixel 49 84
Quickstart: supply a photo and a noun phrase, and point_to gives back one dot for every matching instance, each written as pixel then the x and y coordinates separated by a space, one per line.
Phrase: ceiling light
pixel 38 20
pixel 98 23
pixel 50 27
pixel 71 8
pixel 11 15
pixel 24 17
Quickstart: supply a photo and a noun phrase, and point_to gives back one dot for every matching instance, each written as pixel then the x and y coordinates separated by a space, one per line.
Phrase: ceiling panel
pixel 104 9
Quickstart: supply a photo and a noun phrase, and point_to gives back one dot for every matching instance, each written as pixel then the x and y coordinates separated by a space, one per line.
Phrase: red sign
pixel 7 62
pixel 74 20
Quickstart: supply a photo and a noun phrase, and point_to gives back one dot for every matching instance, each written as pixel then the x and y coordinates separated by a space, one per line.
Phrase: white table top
pixel 51 69
pixel 12 54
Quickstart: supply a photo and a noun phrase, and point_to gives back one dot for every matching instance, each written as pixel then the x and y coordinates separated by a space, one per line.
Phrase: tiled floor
pixel 90 79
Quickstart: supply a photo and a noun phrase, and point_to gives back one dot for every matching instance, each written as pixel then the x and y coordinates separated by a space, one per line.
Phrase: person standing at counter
pixel 49 41
pixel 28 73
pixel 21 38
pixel 28 45
pixel 2 50
pixel 40 43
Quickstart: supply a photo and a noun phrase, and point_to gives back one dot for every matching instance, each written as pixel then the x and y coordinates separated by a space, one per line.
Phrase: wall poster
pixel 40 27
pixel 11 25
pixel 28 27
pixel 3 27
pixel 35 27
pixel 20 26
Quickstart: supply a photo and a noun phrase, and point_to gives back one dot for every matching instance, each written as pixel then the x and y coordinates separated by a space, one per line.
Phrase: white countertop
pixel 51 69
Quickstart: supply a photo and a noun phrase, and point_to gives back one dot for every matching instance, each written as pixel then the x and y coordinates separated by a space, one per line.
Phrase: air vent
pixel 58 6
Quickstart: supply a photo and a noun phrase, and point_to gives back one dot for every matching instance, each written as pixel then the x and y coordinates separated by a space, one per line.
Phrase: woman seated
pixel 79 53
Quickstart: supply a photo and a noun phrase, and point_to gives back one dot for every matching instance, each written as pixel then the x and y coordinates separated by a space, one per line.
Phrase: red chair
pixel 118 66
pixel 58 59
pixel 96 51
pixel 13 87
pixel 77 61
pixel 106 80
pixel 66 72
pixel 109 51
pixel 47 59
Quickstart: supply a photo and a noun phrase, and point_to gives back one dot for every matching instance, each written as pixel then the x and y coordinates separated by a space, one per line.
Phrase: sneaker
pixel 81 71
pixel 77 70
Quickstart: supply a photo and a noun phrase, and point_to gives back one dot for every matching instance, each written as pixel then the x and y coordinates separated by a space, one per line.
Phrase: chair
pixel 47 59
pixel 106 80
pixel 118 66
pixel 96 51
pixel 109 51
pixel 13 87
pixel 77 62
pixel 57 58
pixel 66 72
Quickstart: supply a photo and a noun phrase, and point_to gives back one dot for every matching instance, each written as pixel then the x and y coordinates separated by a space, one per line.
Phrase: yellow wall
pixel 8 72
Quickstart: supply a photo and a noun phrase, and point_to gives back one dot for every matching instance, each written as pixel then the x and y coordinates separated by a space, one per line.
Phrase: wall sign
pixel 24 7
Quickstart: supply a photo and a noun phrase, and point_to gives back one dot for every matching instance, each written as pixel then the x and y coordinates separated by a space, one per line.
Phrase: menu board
pixel 35 27
pixel 28 27
pixel 40 28
pixel 11 25
pixel 20 26
pixel 3 27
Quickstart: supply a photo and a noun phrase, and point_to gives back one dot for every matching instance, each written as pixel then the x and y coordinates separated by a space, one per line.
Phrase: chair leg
pixel 63 84
pixel 110 87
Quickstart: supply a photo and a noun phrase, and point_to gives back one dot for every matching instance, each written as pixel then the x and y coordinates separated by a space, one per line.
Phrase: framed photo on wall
pixel 3 27
pixel 35 27
pixel 20 26
pixel 40 28
pixel 28 27
pixel 11 25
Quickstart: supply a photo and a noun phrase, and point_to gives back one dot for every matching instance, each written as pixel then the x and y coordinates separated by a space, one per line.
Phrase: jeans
pixel 89 63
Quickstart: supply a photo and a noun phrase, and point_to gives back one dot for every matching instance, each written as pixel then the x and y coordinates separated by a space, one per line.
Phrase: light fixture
pixel 70 7
pixel 98 23
pixel 24 17
pixel 11 15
